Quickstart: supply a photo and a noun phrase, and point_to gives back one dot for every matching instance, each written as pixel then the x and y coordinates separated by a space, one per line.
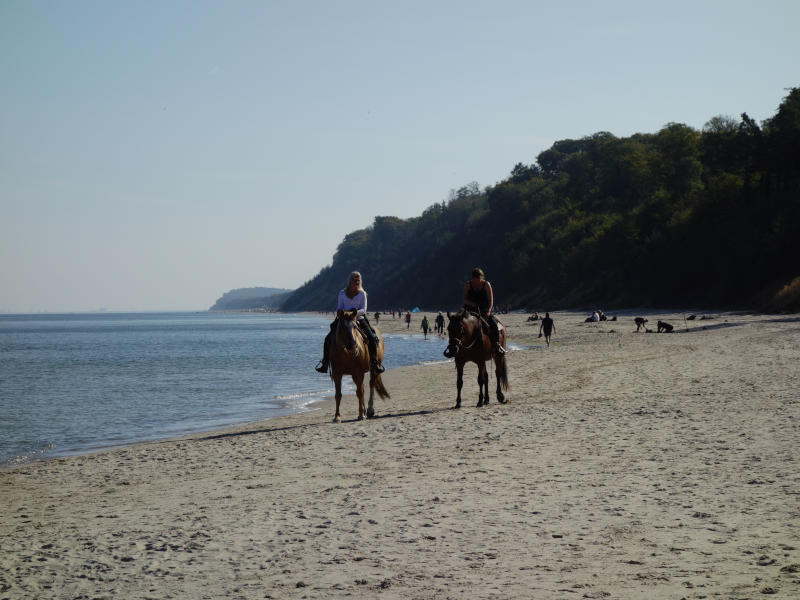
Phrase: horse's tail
pixel 379 387
pixel 502 374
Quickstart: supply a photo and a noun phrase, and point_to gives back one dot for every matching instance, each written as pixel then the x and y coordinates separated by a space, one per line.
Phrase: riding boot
pixel 496 347
pixel 374 364
pixel 322 366
pixel 372 343
pixel 495 335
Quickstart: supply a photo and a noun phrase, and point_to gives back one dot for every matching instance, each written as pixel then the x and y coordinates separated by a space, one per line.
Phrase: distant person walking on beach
pixel 353 296
pixel 548 326
pixel 439 323
pixel 479 296
pixel 408 320
pixel 425 326
pixel 377 318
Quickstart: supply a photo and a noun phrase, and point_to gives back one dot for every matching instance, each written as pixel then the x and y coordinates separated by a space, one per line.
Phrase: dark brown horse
pixel 469 343
pixel 349 354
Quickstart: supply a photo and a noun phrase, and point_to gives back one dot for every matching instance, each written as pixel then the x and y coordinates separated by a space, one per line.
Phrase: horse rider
pixel 478 296
pixel 353 296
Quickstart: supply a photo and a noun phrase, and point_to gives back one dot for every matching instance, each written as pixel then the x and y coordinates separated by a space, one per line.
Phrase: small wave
pixel 302 400
pixel 302 395
pixel 428 363
pixel 26 457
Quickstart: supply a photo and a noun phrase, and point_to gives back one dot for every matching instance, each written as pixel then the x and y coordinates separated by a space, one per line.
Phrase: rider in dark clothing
pixel 479 296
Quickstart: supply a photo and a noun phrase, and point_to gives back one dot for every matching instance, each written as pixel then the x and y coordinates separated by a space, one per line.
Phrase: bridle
pixel 351 345
pixel 455 344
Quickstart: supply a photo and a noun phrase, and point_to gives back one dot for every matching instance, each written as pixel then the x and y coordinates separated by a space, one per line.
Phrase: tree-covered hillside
pixel 679 217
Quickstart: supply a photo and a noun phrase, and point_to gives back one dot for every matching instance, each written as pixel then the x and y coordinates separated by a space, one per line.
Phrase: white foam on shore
pixel 303 400
pixel 303 395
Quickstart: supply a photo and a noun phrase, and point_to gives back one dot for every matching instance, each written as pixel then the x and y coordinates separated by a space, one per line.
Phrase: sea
pixel 79 383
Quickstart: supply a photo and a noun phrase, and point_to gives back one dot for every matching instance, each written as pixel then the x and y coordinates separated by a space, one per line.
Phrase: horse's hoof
pixel 502 400
pixel 337 419
pixel 361 417
pixel 370 414
pixel 458 405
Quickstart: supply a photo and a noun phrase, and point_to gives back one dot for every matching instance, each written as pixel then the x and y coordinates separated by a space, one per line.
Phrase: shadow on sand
pixel 235 434
pixel 701 325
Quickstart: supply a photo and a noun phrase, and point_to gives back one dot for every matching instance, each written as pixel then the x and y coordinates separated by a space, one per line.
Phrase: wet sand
pixel 626 465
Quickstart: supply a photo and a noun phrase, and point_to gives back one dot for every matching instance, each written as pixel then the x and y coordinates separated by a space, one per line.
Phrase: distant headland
pixel 252 299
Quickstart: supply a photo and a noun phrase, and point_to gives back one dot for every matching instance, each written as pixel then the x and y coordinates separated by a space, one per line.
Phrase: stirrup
pixel 377 368
pixel 499 350
pixel 322 367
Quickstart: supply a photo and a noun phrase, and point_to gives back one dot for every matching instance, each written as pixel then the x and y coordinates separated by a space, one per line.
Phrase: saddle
pixel 360 328
pixel 365 336
pixel 485 326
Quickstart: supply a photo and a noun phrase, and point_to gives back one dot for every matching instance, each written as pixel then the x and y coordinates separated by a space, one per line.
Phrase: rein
pixel 476 335
pixel 342 328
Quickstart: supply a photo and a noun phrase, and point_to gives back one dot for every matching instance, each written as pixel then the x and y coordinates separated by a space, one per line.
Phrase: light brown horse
pixel 468 343
pixel 349 354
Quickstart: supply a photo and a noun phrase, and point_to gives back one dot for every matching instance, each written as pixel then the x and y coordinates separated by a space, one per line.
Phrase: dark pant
pixel 372 337
pixel 494 330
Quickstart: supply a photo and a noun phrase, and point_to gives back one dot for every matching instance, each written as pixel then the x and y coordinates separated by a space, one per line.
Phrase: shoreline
pixel 624 466
pixel 87 444
pixel 398 327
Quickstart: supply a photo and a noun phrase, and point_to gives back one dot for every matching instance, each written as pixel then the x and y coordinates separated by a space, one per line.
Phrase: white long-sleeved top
pixel 359 302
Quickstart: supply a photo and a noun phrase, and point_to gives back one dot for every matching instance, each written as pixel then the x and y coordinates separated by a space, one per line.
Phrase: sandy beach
pixel 626 465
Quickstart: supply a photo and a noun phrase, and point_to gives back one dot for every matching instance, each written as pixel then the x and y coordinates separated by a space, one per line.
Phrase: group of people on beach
pixel 438 325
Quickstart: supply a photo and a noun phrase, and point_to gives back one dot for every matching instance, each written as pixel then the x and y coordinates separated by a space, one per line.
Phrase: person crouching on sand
pixel 353 296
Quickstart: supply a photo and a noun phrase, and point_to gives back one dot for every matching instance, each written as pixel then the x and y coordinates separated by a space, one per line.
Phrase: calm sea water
pixel 82 382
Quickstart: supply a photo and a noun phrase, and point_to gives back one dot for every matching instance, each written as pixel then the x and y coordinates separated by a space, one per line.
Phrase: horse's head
pixel 345 330
pixel 456 333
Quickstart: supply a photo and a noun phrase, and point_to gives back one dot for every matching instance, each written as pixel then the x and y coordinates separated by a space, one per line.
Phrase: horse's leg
pixel 337 382
pixel 483 381
pixel 500 372
pixel 459 381
pixel 371 407
pixel 359 381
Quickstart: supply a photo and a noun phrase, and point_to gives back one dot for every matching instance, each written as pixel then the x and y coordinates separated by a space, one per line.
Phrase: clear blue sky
pixel 154 155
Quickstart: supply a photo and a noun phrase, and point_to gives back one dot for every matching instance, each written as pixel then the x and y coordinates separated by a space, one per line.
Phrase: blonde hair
pixel 350 280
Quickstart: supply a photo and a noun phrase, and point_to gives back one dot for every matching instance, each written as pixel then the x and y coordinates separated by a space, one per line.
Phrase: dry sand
pixel 625 466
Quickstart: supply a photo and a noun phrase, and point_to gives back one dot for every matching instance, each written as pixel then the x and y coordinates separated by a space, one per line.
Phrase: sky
pixel 154 155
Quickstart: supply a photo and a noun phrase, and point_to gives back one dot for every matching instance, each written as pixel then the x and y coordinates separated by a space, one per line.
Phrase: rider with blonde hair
pixel 353 297
pixel 479 297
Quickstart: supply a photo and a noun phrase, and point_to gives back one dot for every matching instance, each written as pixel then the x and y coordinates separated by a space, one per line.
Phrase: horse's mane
pixel 466 312
pixel 351 314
